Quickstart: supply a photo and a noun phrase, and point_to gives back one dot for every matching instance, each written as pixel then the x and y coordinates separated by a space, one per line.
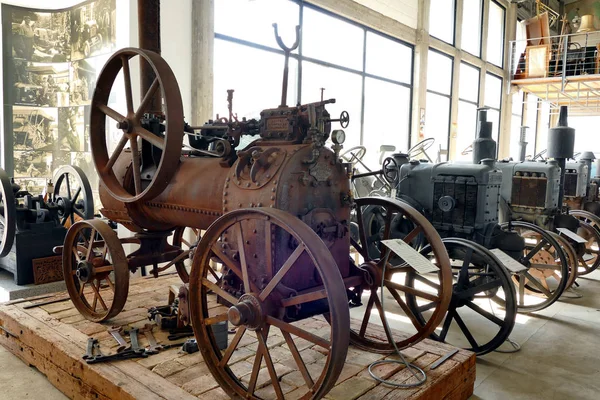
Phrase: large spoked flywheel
pixel 8 211
pixel 73 195
pixel 381 219
pixel 275 276
pixel 151 174
pixel 483 308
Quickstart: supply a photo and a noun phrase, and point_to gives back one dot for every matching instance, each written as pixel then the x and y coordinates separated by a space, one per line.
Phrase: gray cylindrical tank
pixel 483 145
pixel 597 174
pixel 561 138
pixel 588 157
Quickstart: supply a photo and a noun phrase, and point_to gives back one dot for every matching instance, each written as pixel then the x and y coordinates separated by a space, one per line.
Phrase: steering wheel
pixel 362 150
pixel 420 147
pixel 467 150
pixel 539 155
pixel 391 172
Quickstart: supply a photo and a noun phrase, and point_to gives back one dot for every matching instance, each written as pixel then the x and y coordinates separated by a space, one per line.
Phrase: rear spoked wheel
pixel 273 301
pixel 396 220
pixel 547 273
pixel 483 308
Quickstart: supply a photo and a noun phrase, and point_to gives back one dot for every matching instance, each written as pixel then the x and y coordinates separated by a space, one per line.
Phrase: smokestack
pixel 561 144
pixel 483 145
pixel 149 39
pixel 523 143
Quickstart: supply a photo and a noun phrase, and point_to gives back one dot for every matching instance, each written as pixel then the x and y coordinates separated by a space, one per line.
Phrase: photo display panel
pixel 51 61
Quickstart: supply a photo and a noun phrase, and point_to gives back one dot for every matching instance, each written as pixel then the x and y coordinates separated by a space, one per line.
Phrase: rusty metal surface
pixel 92 251
pixel 149 39
pixel 145 187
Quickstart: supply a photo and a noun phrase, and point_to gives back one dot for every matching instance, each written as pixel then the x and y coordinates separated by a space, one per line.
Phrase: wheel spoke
pixel 367 316
pixel 294 330
pixel 76 211
pixel 447 322
pixel 472 291
pixel 115 154
pixel 147 99
pixel 216 319
pixel 110 283
pixel 426 281
pixel 417 324
pixel 91 243
pixel 150 137
pixel 232 346
pixel 81 287
pixel 270 367
pixel 362 234
pixel 76 195
pixel 282 272
pixel 68 184
pixel 465 330
pixel 218 291
pixel 358 248
pixel 535 250
pixel 106 110
pixel 231 265
pixel 135 158
pixel 413 291
pixel 127 79
pixel 386 327
pixel 242 256
pixel 537 284
pixel 97 292
pixel 413 234
pixel 76 254
pixel 298 359
pixel 484 313
pixel 255 371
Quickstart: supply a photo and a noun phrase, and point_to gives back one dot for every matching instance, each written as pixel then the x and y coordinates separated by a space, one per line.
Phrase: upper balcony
pixel 562 70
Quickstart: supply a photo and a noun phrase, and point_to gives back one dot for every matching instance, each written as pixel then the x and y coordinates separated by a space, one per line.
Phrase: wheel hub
pixel 371 274
pixel 125 126
pixel 64 205
pixel 248 312
pixel 85 271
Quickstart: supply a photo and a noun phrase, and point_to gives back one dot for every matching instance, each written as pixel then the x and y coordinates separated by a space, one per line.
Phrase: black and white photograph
pixel 41 84
pixel 41 36
pixel 93 29
pixel 33 164
pixel 71 129
pixel 82 81
pixel 35 128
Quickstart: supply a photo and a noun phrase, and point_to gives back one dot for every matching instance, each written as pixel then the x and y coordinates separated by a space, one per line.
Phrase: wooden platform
pixel 53 338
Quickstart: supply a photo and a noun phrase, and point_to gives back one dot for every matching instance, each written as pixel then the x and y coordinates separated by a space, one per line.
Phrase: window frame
pixel 503 44
pixel 453 42
pixel 482 3
pixel 448 96
pixel 298 55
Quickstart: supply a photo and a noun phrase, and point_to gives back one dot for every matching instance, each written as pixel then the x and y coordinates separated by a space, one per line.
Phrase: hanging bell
pixel 587 24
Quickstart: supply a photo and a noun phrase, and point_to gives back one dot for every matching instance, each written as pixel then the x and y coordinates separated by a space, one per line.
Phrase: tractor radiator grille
pixel 529 191
pixel 464 193
pixel 571 183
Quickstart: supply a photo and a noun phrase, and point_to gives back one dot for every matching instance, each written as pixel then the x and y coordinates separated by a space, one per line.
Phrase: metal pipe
pixel 149 39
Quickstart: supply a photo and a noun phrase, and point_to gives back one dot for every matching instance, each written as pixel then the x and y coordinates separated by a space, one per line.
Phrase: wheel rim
pixel 95 272
pixel 479 280
pixel 73 195
pixel 541 289
pixel 571 258
pixel 589 229
pixel 366 327
pixel 271 230
pixel 180 239
pixel 8 215
pixel 143 188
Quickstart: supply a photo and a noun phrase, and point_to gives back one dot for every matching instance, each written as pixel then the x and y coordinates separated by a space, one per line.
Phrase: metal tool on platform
pixel 115 332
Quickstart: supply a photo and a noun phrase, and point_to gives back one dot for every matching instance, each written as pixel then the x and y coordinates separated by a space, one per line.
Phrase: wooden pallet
pixel 53 338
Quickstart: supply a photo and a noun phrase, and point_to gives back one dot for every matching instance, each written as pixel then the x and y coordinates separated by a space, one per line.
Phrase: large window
pixel 493 100
pixel 471 26
pixel 467 110
pixel 439 93
pixel 515 124
pixel 441 19
pixel 495 39
pixel 369 74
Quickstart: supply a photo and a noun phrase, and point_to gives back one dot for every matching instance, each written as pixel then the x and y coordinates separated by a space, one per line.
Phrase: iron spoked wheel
pixel 73 194
pixel 8 214
pixel 368 330
pixel 571 258
pixel 589 229
pixel 147 185
pixel 185 238
pixel 547 273
pixel 95 270
pixel 481 284
pixel 272 300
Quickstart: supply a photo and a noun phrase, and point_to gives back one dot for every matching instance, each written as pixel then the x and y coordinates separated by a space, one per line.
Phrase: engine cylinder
pixel 561 138
pixel 483 146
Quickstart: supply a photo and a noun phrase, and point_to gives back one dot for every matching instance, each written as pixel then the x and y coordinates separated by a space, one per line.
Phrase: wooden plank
pixel 54 338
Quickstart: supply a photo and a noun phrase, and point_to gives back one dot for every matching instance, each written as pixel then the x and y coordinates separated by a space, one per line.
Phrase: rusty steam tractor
pixel 276 250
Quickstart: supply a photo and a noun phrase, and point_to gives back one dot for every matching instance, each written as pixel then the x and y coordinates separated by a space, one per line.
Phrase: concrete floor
pixel 558 359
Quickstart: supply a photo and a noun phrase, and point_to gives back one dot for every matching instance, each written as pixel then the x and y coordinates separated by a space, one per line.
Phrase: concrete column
pixel 203 37
pixel 420 71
